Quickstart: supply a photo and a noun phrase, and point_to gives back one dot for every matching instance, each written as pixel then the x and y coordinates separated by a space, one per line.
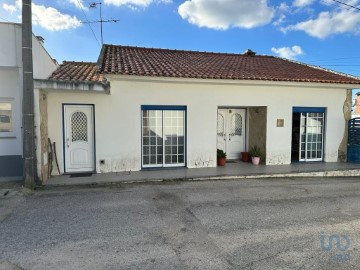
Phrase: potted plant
pixel 245 156
pixel 221 157
pixel 255 154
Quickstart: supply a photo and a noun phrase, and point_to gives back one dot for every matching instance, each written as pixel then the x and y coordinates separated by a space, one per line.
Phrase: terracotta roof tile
pixel 77 71
pixel 127 60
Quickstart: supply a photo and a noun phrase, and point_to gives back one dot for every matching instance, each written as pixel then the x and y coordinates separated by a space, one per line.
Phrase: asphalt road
pixel 242 224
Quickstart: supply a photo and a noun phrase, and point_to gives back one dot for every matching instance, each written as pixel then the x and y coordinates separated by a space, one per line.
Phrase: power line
pixel 334 59
pixel 339 65
pixel 342 3
pixel 5 19
pixel 86 19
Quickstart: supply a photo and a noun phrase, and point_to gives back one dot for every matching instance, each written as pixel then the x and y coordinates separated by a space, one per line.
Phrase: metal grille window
pixel 79 126
pixel 236 125
pixel 163 137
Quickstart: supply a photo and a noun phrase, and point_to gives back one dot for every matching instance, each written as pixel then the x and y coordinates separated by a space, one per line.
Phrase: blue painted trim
pixel 313 110
pixel 11 166
pixel 308 110
pixel 163 107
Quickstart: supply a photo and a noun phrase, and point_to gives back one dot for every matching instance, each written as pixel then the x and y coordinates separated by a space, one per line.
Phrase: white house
pixel 140 108
pixel 11 95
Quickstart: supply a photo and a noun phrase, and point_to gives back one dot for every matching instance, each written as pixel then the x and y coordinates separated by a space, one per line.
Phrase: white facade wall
pixel 118 116
pixel 11 80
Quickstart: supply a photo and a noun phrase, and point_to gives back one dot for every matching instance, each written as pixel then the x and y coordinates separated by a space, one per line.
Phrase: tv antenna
pixel 101 21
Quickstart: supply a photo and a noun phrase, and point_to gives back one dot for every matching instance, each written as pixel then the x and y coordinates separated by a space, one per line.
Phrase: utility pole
pixel 28 98
pixel 101 21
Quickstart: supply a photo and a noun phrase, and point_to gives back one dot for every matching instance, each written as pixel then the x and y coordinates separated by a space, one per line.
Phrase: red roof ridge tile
pixel 184 51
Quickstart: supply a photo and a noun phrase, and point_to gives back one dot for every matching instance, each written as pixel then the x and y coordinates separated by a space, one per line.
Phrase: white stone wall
pixel 118 116
pixel 11 79
pixel 10 90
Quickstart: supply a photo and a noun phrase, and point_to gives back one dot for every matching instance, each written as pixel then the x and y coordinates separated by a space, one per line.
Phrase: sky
pixel 318 32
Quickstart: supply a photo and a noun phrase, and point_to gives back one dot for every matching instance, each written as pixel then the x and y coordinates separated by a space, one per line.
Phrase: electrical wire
pixel 86 19
pixel 1 18
pixel 348 5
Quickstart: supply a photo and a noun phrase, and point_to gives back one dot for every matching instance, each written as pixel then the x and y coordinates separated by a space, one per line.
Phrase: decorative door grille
pixel 236 125
pixel 79 127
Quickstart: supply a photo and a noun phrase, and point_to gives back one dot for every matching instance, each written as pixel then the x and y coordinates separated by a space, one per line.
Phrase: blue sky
pixel 317 32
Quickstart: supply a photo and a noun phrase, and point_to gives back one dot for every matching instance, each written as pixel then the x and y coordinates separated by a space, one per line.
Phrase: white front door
pixel 231 132
pixel 79 138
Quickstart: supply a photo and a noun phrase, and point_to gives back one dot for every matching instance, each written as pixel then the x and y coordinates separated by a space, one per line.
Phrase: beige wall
pixel 43 153
pixel 257 128
pixel 118 116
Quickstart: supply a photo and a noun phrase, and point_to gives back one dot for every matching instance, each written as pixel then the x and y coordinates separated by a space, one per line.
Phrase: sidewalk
pixel 237 170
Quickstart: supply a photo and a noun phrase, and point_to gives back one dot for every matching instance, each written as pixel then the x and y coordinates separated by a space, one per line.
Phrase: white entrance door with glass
pixel 79 138
pixel 308 134
pixel 163 136
pixel 231 132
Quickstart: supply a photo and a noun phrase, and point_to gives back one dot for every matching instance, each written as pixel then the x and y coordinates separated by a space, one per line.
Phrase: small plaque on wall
pixel 280 122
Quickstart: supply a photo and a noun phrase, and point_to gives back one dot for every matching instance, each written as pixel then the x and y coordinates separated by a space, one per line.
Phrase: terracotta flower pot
pixel 221 161
pixel 245 156
pixel 255 160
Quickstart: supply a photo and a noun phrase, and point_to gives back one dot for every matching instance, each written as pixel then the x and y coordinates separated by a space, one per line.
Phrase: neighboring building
pixel 170 108
pixel 356 112
pixel 11 95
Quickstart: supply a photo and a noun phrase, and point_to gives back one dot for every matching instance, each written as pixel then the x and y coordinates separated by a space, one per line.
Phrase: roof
pixel 126 60
pixel 77 71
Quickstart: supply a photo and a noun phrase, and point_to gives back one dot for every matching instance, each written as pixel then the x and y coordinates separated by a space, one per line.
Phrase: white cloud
pixel 326 24
pixel 78 3
pixel 222 14
pixel 47 17
pixel 281 10
pixel 9 8
pixel 302 3
pixel 288 52
pixel 134 3
pixel 53 20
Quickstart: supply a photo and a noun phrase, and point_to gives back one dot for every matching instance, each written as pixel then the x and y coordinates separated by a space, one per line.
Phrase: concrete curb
pixel 337 173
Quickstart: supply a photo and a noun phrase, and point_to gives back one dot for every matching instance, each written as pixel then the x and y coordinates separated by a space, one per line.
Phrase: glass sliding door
pixel 311 130
pixel 163 136
pixel 308 134
pixel 152 136
pixel 174 134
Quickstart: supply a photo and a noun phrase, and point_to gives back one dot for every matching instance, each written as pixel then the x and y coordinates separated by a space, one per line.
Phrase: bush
pixel 221 154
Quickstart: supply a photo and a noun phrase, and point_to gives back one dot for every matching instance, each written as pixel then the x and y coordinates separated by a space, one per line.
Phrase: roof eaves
pixel 324 69
pixel 72 85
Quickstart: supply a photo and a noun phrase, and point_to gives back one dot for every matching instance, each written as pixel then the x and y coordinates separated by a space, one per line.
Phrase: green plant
pixel 221 154
pixel 255 151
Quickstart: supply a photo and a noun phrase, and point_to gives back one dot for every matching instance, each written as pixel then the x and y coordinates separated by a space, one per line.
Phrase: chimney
pixel 249 52
pixel 41 39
